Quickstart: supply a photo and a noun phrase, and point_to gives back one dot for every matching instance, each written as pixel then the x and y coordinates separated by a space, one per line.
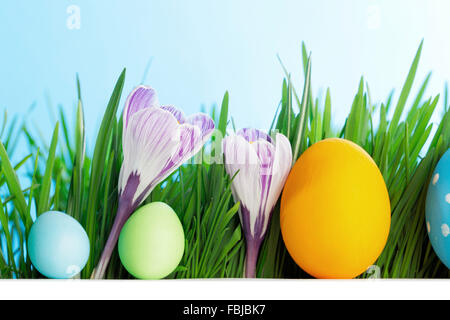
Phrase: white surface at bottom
pixel 225 289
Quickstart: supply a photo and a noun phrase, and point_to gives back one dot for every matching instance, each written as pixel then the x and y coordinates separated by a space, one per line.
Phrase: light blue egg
pixel 438 209
pixel 58 246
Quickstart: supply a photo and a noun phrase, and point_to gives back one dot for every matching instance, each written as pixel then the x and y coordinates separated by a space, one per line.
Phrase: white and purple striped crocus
pixel 260 167
pixel 156 141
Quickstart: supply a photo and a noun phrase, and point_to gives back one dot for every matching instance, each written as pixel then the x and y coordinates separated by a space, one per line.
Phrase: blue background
pixel 199 49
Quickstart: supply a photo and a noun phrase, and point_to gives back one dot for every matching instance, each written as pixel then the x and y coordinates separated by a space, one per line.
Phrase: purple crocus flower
pixel 156 141
pixel 262 167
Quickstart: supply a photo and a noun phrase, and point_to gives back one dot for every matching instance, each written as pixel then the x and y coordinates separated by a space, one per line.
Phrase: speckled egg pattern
pixel 438 209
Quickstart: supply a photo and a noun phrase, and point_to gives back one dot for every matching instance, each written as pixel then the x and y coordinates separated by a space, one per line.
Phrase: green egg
pixel 151 243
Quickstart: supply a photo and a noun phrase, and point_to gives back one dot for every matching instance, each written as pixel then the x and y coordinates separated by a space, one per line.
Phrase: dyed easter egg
pixel 437 209
pixel 151 243
pixel 58 246
pixel 335 210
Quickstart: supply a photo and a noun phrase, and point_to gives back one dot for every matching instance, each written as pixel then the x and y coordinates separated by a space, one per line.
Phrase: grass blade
pixel 44 190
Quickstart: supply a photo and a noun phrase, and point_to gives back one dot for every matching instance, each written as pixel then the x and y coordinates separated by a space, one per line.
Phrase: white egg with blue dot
pixel 437 209
pixel 58 246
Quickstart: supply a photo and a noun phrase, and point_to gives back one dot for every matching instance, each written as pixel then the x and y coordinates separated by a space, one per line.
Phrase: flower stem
pixel 251 258
pixel 123 212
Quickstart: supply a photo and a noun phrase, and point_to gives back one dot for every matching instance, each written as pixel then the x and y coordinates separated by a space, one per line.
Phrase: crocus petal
pixel 266 154
pixel 189 144
pixel 193 135
pixel 204 123
pixel 252 135
pixel 241 158
pixel 281 167
pixel 141 97
pixel 177 113
pixel 150 140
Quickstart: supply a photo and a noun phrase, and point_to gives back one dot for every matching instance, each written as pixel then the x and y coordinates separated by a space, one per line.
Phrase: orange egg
pixel 335 210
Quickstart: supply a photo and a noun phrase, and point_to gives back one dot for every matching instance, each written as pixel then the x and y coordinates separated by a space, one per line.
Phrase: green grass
pixel 63 176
